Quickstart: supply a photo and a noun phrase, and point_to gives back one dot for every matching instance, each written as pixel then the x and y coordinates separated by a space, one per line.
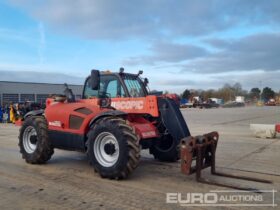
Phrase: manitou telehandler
pixel 113 121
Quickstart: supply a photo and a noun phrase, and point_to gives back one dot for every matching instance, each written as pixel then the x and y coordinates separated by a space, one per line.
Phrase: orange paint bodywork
pixel 143 105
pixel 58 114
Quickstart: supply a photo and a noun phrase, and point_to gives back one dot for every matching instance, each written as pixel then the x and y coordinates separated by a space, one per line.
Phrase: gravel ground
pixel 68 182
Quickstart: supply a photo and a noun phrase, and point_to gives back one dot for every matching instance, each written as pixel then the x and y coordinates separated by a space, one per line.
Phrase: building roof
pixel 9 87
pixel 44 83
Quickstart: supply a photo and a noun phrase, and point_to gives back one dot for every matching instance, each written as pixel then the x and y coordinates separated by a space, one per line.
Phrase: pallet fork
pixel 202 149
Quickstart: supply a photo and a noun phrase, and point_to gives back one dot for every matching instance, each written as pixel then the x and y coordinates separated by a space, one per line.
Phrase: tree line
pixel 228 93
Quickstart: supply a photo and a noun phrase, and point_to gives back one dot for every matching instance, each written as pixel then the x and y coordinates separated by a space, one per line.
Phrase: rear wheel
pixel 34 143
pixel 113 148
pixel 165 149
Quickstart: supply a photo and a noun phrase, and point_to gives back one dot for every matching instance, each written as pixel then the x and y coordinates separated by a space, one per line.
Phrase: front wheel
pixel 34 143
pixel 165 149
pixel 113 148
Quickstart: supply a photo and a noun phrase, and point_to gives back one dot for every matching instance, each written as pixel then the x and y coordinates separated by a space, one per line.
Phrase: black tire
pixel 35 149
pixel 165 149
pixel 126 145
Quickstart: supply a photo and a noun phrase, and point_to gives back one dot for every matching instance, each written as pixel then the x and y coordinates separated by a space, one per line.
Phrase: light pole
pixel 260 90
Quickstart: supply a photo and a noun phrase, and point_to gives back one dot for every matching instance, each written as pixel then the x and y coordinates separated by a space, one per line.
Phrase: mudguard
pixel 34 113
pixel 107 114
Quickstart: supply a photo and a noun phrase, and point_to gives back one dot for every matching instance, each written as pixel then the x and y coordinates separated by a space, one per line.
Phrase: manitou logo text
pixel 128 104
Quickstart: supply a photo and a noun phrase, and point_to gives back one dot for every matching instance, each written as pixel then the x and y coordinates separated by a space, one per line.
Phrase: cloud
pixel 252 79
pixel 110 19
pixel 255 52
pixel 42 77
pixel 248 80
pixel 152 21
pixel 176 82
pixel 168 52
pixel 218 43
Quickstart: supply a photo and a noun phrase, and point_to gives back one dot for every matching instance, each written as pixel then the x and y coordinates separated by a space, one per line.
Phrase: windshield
pixel 113 85
pixel 134 86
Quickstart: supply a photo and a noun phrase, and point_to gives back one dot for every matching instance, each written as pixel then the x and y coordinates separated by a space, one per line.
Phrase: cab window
pixel 112 88
pixel 134 86
pixel 88 92
pixel 109 84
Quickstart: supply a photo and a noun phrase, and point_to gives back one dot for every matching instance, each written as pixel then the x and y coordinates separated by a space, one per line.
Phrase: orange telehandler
pixel 113 121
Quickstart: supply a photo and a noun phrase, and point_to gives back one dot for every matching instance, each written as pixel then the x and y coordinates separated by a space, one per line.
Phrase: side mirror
pixel 146 82
pixel 95 79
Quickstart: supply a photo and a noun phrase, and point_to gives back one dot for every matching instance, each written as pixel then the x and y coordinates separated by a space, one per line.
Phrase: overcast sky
pixel 179 44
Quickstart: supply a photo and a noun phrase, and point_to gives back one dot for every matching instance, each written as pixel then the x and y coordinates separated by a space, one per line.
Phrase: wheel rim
pixel 106 149
pixel 30 139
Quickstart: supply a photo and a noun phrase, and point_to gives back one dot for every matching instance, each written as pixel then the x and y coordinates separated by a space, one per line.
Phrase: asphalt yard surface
pixel 67 181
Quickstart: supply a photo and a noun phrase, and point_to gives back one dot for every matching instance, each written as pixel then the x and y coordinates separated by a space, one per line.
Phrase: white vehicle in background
pixel 240 99
pixel 217 100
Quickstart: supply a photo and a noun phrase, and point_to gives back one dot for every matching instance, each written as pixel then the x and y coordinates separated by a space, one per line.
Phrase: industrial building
pixel 14 92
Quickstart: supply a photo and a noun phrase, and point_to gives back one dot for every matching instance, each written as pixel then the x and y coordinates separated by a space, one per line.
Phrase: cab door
pixel 109 84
